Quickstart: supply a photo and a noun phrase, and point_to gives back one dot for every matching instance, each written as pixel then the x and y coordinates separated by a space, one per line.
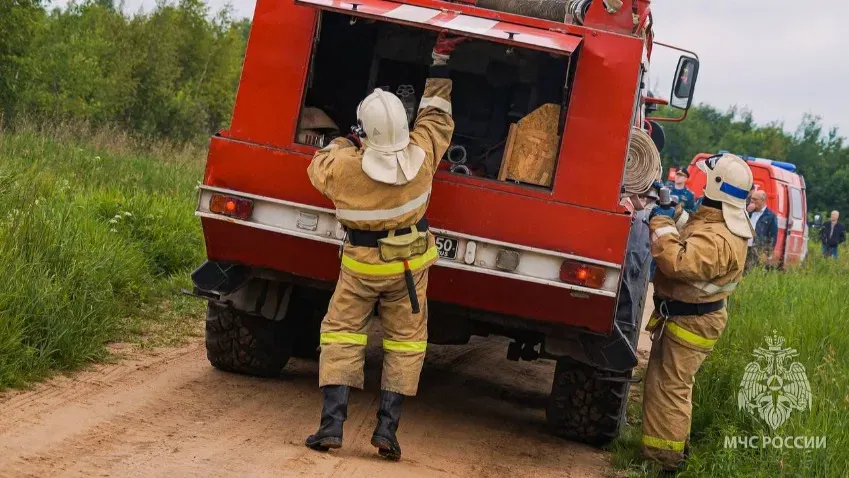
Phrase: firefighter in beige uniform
pixel 381 189
pixel 697 268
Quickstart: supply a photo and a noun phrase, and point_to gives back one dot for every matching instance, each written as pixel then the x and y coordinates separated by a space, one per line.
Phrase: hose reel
pixel 642 167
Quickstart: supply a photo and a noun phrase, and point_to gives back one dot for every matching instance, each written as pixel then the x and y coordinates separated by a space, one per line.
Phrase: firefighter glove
pixel 445 45
pixel 659 210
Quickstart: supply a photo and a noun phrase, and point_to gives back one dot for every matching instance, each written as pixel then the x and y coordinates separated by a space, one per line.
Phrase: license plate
pixel 447 247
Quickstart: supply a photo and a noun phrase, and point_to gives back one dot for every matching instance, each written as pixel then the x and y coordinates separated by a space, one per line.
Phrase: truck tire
pixel 306 310
pixel 583 406
pixel 242 343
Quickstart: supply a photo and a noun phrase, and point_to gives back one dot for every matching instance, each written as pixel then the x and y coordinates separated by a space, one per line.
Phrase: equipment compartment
pixel 495 85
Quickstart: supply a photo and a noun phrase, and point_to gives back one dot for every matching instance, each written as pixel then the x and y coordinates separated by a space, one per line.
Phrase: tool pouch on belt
pixel 403 247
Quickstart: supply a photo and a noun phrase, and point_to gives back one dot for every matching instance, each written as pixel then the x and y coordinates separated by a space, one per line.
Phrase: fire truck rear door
pixel 437 19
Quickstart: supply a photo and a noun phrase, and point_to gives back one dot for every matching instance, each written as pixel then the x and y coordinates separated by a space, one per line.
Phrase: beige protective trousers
pixel 344 332
pixel 679 347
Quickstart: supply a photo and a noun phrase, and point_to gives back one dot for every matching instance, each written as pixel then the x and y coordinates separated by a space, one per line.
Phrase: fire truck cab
pixel 785 191
pixel 560 267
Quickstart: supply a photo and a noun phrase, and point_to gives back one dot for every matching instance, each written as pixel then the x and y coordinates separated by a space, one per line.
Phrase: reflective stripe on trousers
pixel 679 332
pixel 398 346
pixel 343 338
pixel 689 337
pixel 662 444
pixel 390 268
pixel 362 339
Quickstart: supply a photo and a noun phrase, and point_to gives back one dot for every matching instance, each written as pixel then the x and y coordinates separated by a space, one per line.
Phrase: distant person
pixel 832 235
pixel 765 225
pixel 685 196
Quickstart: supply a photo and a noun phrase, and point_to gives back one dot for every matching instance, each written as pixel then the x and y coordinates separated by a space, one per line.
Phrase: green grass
pixel 95 242
pixel 810 308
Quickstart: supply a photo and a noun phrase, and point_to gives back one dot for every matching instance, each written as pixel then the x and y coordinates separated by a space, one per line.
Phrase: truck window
pixel 495 86
pixel 795 203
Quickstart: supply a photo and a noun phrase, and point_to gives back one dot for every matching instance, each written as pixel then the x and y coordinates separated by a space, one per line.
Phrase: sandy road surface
pixel 170 414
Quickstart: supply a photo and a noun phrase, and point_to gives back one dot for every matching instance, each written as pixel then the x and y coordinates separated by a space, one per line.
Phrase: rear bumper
pixel 233 243
pixel 454 324
pixel 475 254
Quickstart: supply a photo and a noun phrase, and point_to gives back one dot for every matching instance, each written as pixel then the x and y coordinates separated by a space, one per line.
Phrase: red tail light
pixel 586 275
pixel 232 206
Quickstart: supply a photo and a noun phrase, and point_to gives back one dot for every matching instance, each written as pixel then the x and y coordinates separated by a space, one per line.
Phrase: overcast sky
pixel 779 58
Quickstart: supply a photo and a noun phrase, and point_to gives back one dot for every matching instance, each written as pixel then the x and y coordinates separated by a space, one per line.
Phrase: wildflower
pixel 113 230
pixel 128 214
pixel 113 221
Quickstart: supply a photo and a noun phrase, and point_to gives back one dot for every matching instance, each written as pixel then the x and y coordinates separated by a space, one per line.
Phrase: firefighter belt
pixel 680 344
pixel 344 331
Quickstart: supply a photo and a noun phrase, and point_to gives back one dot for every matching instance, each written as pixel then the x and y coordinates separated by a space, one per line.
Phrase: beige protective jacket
pixel 702 263
pixel 364 204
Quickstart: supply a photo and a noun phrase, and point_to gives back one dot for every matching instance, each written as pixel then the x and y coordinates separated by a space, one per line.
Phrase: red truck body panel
pixel 580 215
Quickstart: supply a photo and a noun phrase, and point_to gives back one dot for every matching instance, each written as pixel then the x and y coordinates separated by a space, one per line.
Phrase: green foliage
pixel 822 157
pixel 809 308
pixel 170 73
pixel 20 20
pixel 90 238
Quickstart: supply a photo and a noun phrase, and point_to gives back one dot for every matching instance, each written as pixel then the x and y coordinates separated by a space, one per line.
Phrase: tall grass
pixel 809 307
pixel 92 234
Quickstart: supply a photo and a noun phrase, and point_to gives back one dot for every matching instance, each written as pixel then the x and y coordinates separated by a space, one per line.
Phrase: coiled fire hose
pixel 642 167
pixel 456 154
pixel 461 169
pixel 554 10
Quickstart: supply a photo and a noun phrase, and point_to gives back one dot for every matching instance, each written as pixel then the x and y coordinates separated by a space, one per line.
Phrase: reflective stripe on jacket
pixel 702 263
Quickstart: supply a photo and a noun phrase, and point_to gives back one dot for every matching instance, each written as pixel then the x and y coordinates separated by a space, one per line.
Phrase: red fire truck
pixel 785 192
pixel 559 269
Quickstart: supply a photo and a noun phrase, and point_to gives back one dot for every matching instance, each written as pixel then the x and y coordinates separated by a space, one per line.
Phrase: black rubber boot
pixel 334 411
pixel 388 416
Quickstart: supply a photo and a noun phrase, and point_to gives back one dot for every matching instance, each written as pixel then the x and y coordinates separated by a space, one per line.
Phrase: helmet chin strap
pixel 706 201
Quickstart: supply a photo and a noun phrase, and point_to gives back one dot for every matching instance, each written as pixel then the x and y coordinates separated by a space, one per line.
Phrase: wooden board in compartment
pixel 530 154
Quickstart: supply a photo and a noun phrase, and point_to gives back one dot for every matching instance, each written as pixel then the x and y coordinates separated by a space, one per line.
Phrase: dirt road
pixel 171 414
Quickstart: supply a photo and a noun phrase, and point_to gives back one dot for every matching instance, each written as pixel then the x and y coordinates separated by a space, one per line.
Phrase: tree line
pixel 821 155
pixel 173 72
pixel 170 73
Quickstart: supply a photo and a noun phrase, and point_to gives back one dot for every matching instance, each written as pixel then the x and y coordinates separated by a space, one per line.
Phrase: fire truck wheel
pixel 306 309
pixel 242 343
pixel 585 407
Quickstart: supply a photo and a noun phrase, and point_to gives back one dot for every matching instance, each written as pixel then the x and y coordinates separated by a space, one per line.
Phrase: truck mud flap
pixel 616 352
pixel 220 278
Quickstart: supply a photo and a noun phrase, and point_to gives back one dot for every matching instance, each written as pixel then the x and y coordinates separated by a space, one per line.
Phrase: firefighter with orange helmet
pixel 380 182
pixel 699 264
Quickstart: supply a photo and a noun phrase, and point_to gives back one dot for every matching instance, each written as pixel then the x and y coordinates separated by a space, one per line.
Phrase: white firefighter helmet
pixel 729 181
pixel 389 157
